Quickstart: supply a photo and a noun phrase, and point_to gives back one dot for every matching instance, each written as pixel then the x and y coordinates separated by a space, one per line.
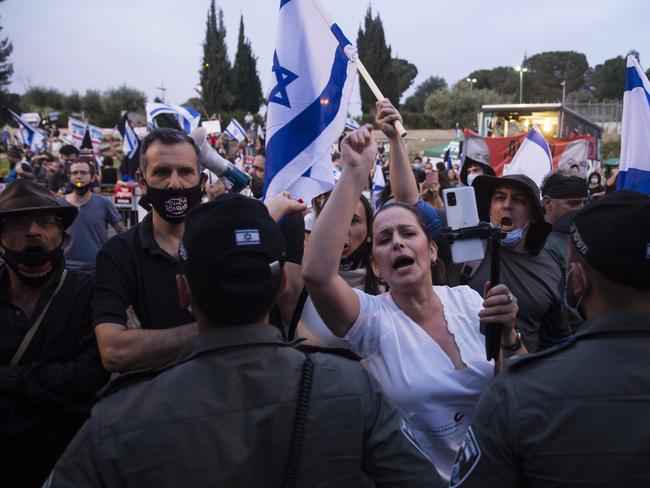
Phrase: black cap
pixel 613 235
pixel 538 231
pixel 564 187
pixel 232 238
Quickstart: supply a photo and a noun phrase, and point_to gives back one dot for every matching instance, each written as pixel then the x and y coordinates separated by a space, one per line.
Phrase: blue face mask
pixel 515 236
pixel 573 309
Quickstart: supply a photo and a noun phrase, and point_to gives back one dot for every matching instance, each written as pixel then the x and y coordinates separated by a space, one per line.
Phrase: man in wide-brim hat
pixel 49 362
pixel 513 203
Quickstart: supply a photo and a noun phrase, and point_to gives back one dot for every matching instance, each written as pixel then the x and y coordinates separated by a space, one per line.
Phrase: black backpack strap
pixel 297 313
pixel 300 422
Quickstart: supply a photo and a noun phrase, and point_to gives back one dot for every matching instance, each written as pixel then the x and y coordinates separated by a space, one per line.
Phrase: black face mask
pixel 357 258
pixel 173 205
pixel 33 268
pixel 257 187
pixel 81 189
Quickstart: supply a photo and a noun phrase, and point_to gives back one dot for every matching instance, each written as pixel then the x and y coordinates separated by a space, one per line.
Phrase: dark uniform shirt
pixel 133 270
pixel 223 415
pixel 46 397
pixel 574 416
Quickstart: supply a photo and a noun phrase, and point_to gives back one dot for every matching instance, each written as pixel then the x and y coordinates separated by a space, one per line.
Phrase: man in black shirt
pixel 139 321
pixel 49 362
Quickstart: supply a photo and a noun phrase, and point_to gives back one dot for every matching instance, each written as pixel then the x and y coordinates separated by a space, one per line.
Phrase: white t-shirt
pixel 436 401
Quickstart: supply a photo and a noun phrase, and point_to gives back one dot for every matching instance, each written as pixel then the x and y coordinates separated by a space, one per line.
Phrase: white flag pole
pixel 362 69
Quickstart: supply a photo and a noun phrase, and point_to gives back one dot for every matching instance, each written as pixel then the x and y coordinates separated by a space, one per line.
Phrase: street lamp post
pixel 471 82
pixel 521 82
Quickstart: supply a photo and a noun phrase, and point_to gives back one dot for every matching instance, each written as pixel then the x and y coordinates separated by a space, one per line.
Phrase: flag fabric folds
pixel 533 158
pixel 313 75
pixel 31 136
pixel 188 119
pixel 634 168
pixel 131 140
pixel 378 182
pixel 236 131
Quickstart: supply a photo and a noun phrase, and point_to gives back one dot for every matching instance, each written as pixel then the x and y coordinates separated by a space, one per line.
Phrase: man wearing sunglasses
pixel 49 363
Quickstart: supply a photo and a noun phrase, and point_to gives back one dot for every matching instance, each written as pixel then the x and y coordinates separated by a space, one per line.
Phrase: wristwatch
pixel 516 345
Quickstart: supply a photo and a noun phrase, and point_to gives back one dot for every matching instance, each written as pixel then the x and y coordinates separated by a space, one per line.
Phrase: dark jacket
pixel 223 415
pixel 573 416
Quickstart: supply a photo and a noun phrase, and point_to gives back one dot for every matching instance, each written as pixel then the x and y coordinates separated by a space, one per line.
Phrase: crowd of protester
pixel 323 343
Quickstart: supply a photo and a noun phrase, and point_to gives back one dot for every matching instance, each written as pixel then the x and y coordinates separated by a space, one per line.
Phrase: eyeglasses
pixel 24 222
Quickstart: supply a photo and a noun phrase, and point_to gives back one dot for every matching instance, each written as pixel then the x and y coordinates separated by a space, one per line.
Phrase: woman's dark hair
pixel 371 282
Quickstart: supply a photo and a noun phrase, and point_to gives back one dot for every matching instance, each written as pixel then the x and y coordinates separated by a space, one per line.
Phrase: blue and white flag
pixel 533 158
pixel 378 182
pixel 188 118
pixel 131 141
pixel 31 136
pixel 236 131
pixel 634 168
pixel 351 124
pixel 313 75
pixel 78 130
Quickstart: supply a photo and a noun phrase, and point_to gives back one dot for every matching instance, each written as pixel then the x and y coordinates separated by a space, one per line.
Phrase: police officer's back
pixel 577 415
pixel 240 407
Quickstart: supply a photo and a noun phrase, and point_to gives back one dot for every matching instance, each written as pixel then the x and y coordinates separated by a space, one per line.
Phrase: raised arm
pixel 336 302
pixel 402 180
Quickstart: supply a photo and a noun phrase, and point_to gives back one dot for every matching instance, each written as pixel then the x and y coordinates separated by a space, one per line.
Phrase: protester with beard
pixel 49 364
pixel 421 342
pixel 575 415
pixel 257 183
pixel 136 270
pixel 88 232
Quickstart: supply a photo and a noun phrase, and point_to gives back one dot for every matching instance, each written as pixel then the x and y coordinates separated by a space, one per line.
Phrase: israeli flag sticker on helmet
pixel 247 237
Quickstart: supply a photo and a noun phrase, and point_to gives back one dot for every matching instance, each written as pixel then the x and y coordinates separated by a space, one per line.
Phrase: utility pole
pixel 162 91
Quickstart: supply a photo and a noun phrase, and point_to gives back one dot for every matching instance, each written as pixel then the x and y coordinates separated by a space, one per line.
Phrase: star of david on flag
pixel 634 168
pixel 313 74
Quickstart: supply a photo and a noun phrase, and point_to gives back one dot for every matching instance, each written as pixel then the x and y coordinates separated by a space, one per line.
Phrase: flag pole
pixel 377 92
pixel 362 69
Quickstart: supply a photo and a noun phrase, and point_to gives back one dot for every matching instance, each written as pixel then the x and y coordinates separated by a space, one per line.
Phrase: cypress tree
pixel 215 69
pixel 246 86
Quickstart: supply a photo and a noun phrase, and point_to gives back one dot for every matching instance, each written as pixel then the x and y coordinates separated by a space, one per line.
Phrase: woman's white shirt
pixel 436 401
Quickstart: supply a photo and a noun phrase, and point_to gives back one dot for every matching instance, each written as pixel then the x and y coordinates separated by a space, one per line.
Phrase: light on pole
pixel 471 82
pixel 521 82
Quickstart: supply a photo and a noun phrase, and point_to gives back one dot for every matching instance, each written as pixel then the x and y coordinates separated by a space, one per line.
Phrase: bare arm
pixel 402 180
pixel 123 349
pixel 118 226
pixel 337 304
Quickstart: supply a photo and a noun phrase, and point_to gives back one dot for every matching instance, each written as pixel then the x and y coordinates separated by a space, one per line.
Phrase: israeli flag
pixel 131 140
pixel 236 131
pixel 351 124
pixel 533 158
pixel 187 117
pixel 378 183
pixel 313 75
pixel 634 168
pixel 31 136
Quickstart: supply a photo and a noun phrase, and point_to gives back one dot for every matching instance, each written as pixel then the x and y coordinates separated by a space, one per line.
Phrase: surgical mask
pixel 515 236
pixel 173 205
pixel 34 268
pixel 356 258
pixel 594 181
pixel 573 309
pixel 257 187
pixel 80 189
pixel 417 166
pixel 470 178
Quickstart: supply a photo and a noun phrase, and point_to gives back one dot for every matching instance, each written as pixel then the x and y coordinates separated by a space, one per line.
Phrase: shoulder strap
pixel 302 407
pixel 34 327
pixel 297 313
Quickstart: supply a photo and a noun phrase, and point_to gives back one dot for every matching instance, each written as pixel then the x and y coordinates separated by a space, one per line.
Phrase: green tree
pixel 546 72
pixel 502 79
pixel 91 104
pixel 608 79
pixel 460 104
pixel 405 73
pixel 377 58
pixel 215 69
pixel 72 103
pixel 6 68
pixel 245 82
pixel 115 100
pixel 415 103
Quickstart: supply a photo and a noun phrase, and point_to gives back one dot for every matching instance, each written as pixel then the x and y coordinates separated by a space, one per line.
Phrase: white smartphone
pixel 461 212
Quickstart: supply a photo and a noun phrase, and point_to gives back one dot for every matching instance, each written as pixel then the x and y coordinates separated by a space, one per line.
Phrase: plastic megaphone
pixel 212 160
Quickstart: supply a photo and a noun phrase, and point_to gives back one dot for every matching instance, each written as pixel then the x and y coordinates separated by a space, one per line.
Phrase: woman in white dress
pixel 421 342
